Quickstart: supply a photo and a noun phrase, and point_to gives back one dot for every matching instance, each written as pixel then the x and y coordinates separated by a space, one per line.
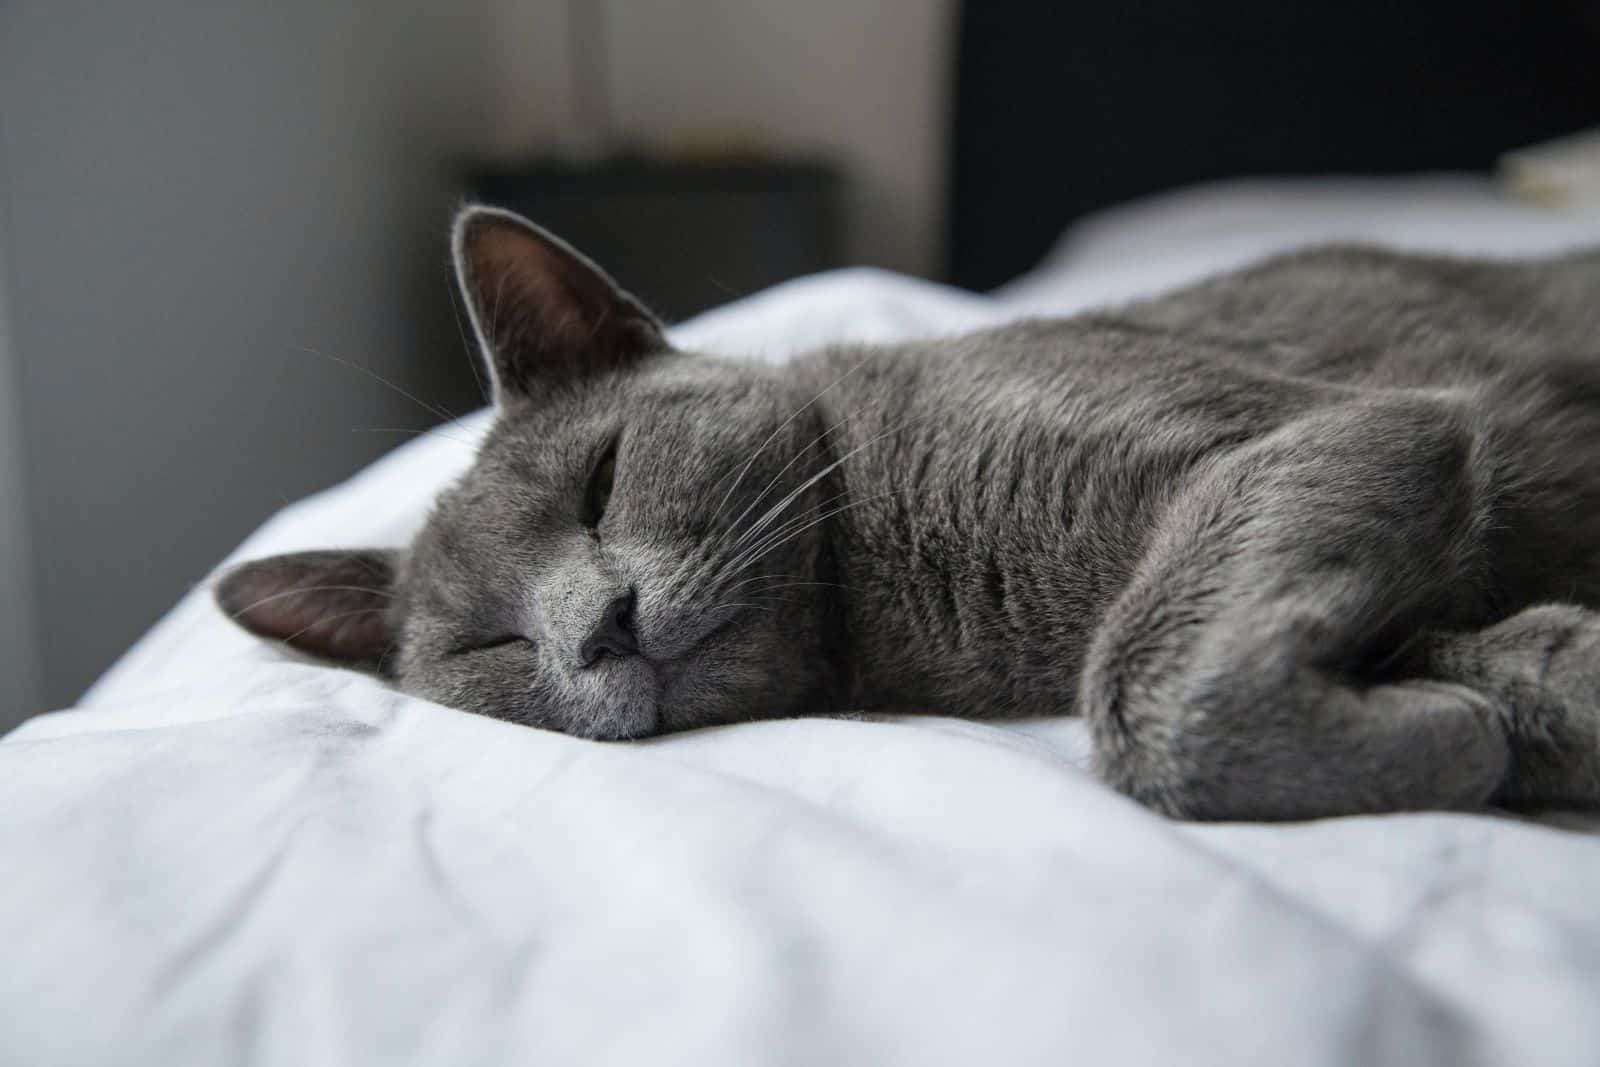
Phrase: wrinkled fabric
pixel 226 855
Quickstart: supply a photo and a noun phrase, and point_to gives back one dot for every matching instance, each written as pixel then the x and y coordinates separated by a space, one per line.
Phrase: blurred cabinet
pixel 682 237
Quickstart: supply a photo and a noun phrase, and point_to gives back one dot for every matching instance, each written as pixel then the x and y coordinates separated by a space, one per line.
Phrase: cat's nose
pixel 613 634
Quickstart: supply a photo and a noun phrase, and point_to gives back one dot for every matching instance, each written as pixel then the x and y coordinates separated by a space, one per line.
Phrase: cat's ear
pixel 333 605
pixel 543 313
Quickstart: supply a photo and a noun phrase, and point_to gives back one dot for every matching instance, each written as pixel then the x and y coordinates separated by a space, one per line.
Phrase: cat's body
pixel 1021 471
pixel 1274 535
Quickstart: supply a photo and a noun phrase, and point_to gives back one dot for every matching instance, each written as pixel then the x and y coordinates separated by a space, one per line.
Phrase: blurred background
pixel 222 226
pixel 209 211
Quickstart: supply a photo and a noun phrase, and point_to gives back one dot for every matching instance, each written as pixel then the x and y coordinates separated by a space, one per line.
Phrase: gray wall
pixel 19 682
pixel 195 193
pixel 866 82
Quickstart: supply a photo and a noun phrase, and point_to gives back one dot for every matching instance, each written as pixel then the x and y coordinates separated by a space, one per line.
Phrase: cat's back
pixel 1509 348
pixel 1335 315
pixel 1369 316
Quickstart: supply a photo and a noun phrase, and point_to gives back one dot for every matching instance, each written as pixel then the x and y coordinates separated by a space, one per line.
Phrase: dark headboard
pixel 1065 107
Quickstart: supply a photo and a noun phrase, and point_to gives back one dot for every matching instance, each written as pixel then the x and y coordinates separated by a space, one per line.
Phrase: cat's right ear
pixel 334 605
pixel 544 315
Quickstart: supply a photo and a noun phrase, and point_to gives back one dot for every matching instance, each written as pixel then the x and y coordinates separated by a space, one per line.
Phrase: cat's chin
pixel 629 723
pixel 630 692
pixel 633 727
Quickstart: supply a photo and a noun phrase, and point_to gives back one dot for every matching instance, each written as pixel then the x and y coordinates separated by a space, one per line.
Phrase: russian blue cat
pixel 1317 537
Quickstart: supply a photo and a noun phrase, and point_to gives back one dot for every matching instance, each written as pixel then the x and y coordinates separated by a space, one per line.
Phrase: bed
pixel 226 855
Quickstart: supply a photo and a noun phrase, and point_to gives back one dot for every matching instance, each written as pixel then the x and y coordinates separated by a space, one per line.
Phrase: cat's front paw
pixel 1542 669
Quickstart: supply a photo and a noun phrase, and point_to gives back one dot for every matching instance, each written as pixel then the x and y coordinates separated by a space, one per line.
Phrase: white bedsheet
pixel 226 856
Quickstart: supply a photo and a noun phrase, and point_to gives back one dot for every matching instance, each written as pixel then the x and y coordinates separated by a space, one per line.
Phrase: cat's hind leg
pixel 1237 676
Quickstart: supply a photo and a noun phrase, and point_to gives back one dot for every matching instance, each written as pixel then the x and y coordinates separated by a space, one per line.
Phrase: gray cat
pixel 1309 539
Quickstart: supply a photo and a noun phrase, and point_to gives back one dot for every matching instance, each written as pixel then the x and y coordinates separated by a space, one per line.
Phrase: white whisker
pixel 310 589
pixel 328 618
pixel 774 436
pixel 784 537
pixel 808 483
pixel 777 509
pixel 431 409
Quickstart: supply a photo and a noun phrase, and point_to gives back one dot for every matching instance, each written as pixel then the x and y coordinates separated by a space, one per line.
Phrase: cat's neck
pixel 952 545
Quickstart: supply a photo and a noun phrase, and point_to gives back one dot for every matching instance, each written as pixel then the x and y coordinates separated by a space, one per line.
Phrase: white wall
pixel 865 82
pixel 196 193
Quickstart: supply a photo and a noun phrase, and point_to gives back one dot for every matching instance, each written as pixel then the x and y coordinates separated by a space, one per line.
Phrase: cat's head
pixel 612 564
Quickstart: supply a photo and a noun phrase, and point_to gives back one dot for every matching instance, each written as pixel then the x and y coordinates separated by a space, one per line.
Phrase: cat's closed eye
pixel 492 643
pixel 598 495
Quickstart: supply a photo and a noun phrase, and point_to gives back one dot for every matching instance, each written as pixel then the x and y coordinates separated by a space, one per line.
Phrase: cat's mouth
pixel 657 690
pixel 630 690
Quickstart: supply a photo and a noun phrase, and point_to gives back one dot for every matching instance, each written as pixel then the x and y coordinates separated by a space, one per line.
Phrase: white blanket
pixel 228 856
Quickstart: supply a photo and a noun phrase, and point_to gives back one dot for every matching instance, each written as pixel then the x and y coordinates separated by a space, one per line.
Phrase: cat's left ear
pixel 544 314
pixel 335 605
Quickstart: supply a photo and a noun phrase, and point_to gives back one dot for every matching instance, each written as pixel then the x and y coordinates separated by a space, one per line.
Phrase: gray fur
pixel 1315 538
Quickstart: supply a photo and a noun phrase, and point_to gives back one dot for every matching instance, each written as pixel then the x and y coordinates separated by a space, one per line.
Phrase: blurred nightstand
pixel 683 237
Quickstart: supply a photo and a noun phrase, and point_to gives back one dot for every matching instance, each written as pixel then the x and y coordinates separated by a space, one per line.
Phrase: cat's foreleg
pixel 1233 677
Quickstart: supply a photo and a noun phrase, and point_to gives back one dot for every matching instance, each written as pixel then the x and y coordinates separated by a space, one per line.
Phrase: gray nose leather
pixel 613 634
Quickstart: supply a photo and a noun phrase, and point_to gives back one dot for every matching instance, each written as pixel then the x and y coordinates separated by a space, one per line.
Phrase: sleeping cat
pixel 1309 539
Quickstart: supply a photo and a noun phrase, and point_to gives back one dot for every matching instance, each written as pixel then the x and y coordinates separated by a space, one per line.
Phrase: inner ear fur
pixel 543 313
pixel 335 605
